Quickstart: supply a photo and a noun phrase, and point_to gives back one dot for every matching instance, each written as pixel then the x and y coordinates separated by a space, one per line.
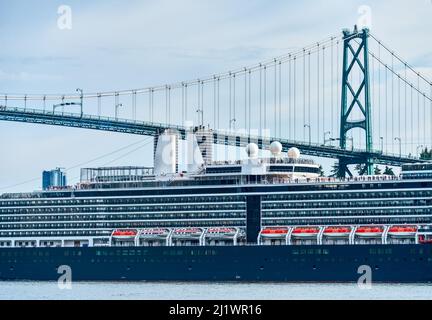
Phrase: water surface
pixel 210 291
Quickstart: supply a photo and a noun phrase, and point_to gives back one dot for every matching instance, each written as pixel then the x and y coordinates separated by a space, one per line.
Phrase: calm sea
pixel 210 291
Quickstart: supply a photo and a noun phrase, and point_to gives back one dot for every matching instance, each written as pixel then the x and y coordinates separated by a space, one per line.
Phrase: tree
pixel 334 172
pixel 388 171
pixel 321 174
pixel 377 171
pixel 360 168
pixel 426 154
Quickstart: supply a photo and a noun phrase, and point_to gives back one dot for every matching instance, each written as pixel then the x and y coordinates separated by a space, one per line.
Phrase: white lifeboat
pixel 221 231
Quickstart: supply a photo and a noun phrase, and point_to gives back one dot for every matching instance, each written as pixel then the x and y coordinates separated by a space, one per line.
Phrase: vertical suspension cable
pixel 412 113
pixel 430 115
pixel 152 105
pixel 280 98
pixel 149 104
pixel 295 98
pixel 332 114
pixel 245 99
pixel 337 82
pixel 309 95
pixel 183 104
pixel 250 101
pixel 214 103
pixel 323 90
pixel 318 94
pixel 265 98
pixel 392 101
pixel 234 102
pixel 218 103
pixel 166 104
pixel 304 94
pixel 399 107
pixel 399 131
pixel 379 95
pixel 424 142
pixel 116 101
pixel 199 111
pixel 186 102
pixel 275 98
pixel 169 104
pixel 230 100
pixel 406 104
pixel 134 103
pixel 202 103
pixel 386 107
pixel 372 88
pixel 260 100
pixel 289 96
pixel 418 107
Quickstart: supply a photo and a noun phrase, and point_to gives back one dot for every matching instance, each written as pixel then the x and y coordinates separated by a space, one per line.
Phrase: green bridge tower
pixel 355 53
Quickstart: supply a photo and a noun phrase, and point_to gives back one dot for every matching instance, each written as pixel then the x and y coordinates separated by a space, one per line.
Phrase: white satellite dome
pixel 294 153
pixel 276 148
pixel 252 150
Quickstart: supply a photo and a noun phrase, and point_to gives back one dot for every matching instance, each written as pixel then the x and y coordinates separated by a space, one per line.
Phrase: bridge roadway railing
pixel 228 138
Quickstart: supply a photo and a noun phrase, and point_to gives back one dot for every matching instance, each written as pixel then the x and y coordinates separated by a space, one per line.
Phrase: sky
pixel 115 45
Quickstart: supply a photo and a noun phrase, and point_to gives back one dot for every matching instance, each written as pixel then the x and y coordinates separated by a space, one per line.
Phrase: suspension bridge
pixel 348 97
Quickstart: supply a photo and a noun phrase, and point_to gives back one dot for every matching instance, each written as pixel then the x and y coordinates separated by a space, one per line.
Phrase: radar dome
pixel 294 153
pixel 252 150
pixel 276 148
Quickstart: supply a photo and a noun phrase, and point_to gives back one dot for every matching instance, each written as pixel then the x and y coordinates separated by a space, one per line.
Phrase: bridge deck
pixel 225 138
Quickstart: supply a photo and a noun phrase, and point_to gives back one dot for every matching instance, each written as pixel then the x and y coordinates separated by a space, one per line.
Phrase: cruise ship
pixel 271 218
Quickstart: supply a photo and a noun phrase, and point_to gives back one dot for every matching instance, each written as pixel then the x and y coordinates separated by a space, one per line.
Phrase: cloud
pixel 23 76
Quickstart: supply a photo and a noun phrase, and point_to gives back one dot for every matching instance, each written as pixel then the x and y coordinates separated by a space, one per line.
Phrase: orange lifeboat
pixel 306 232
pixel 337 231
pixel 274 232
pixel 370 231
pixel 125 234
pixel 403 231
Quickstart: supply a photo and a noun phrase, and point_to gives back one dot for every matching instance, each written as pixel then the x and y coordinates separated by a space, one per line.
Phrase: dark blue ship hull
pixel 389 263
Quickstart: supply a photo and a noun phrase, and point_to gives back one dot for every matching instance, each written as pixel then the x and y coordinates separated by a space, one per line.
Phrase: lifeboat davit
pixel 402 231
pixel 306 232
pixel 274 232
pixel 125 234
pixel 337 231
pixel 370 231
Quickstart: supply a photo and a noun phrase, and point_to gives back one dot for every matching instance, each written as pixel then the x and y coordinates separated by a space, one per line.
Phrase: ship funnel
pixel 165 159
